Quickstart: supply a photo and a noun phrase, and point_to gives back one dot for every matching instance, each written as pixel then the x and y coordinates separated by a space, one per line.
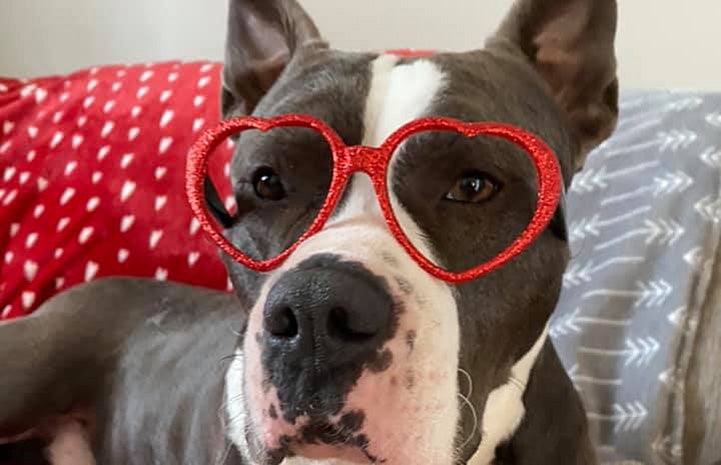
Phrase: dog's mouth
pixel 323 440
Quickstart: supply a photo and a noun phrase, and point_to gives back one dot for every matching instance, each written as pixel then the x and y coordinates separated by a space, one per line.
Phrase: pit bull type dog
pixel 349 352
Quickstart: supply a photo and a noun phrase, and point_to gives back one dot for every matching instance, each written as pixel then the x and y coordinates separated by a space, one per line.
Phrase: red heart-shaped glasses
pixel 375 162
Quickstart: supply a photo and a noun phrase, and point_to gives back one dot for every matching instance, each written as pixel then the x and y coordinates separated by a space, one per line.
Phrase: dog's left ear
pixel 263 36
pixel 571 45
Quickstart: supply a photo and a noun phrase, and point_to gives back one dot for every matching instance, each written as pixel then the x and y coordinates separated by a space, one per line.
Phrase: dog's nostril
pixel 282 323
pixel 341 326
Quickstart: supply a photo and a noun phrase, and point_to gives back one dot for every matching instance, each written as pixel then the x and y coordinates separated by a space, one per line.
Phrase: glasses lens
pixel 279 180
pixel 461 200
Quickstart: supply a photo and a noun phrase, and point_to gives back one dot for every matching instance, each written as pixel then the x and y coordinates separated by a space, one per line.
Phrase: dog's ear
pixel 263 36
pixel 571 45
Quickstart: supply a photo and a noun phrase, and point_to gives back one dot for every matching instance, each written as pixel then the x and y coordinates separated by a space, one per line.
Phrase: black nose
pixel 327 313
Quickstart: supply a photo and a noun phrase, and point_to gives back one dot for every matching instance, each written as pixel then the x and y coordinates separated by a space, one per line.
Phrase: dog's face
pixel 353 353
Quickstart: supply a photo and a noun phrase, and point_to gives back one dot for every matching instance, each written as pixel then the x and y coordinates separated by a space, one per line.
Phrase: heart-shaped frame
pixel 375 162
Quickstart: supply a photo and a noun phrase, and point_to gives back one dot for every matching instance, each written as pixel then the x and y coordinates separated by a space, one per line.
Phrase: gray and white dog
pixel 349 352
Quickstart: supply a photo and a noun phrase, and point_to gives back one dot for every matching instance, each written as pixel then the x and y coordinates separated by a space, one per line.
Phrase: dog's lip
pixel 345 454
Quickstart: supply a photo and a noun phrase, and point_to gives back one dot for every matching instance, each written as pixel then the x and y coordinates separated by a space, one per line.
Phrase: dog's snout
pixel 329 313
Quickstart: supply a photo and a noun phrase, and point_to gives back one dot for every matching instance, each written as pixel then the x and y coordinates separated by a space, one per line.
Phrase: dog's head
pixel 352 352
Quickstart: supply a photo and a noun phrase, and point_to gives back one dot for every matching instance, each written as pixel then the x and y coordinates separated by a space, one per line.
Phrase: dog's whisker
pixel 467 401
pixel 236 332
pixel 232 356
pixel 470 381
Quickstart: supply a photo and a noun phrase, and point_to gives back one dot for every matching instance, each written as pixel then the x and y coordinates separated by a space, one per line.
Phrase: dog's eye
pixel 473 187
pixel 267 184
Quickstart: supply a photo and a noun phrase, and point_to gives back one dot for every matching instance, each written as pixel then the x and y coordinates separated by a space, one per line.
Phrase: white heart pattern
pixel 161 274
pixel 30 270
pixel 91 269
pixel 68 194
pixel 194 226
pixel 166 118
pixel 38 211
pixel 127 190
pixel 9 173
pixel 126 160
pixel 30 240
pixel 7 127
pixel 57 138
pixel 160 172
pixel 126 223
pixel 107 129
pixel 108 107
pixel 85 234
pixel 165 143
pixel 165 96
pixel 92 204
pixel 27 297
pixel 97 176
pixel 160 202
pixel 103 152
pixel 155 237
pixel 141 92
pixel 77 140
pixel 204 81
pixel 123 255
pixel 133 133
pixel 193 258
pixel 70 167
pixel 62 223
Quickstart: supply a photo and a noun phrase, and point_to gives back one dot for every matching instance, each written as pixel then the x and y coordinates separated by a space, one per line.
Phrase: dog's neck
pixel 502 414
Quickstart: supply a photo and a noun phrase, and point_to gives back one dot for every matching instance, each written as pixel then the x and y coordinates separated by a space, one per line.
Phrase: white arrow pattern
pixel 714 119
pixel 592 180
pixel 663 232
pixel 639 351
pixel 671 183
pixel 576 274
pixel 664 157
pixel 712 157
pixel 627 417
pixel 572 323
pixel 590 227
pixel 651 293
pixel 709 208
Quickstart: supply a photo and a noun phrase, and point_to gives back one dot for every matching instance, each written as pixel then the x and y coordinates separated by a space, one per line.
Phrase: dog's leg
pixel 58 359
pixel 554 430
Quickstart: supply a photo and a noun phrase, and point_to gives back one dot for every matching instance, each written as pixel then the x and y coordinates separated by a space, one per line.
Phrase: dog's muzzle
pixel 322 324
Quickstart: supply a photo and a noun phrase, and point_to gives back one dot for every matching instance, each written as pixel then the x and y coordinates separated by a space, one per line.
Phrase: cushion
pixel 644 221
pixel 92 179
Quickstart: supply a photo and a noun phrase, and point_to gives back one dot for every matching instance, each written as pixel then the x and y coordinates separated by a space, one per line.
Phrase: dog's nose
pixel 327 313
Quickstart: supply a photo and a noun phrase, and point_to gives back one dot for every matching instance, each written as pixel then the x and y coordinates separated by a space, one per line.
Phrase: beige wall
pixel 661 43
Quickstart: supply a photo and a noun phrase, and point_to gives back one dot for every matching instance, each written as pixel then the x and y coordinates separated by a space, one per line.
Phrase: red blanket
pixel 92 179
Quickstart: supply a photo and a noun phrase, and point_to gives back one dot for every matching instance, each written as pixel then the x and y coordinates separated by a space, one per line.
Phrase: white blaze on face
pixel 411 408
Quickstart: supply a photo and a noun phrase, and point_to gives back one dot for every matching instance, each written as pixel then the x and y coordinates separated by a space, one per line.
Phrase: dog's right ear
pixel 570 43
pixel 263 36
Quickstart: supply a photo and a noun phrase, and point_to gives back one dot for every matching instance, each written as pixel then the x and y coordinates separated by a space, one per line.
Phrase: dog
pixel 416 370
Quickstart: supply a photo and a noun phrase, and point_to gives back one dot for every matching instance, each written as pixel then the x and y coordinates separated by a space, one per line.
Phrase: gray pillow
pixel 643 215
